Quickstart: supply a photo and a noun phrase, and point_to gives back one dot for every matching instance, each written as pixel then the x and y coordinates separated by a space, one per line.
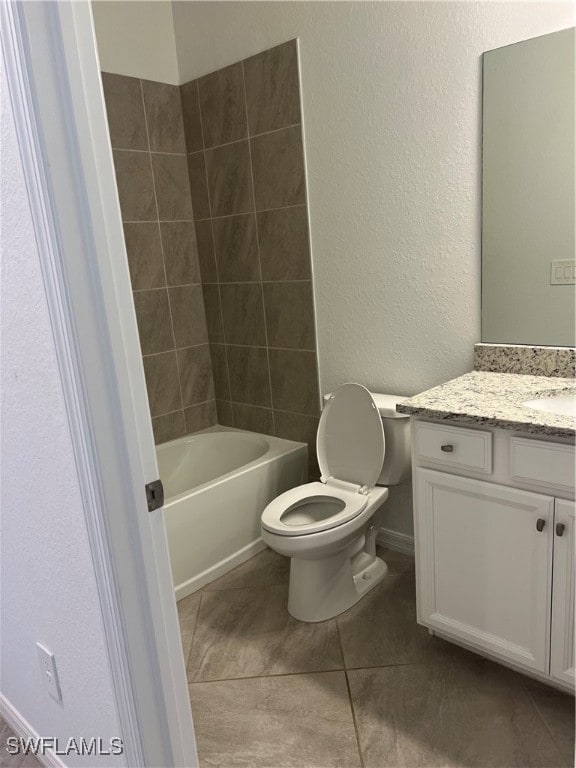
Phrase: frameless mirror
pixel 528 192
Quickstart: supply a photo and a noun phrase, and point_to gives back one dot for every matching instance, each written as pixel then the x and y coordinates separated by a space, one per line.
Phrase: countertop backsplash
pixel 526 359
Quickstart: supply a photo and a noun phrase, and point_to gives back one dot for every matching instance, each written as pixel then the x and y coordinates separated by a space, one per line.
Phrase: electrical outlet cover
pixel 49 672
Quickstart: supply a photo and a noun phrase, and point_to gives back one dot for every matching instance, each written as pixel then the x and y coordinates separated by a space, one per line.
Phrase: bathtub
pixel 216 485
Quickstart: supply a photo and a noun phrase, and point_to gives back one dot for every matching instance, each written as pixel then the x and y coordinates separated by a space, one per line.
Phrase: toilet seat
pixel 296 500
pixel 350 446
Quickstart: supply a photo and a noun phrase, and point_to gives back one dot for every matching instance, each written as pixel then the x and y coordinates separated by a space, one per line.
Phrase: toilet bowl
pixel 329 528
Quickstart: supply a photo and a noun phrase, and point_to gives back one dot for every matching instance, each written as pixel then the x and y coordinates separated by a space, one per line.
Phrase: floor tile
pixel 267 569
pixel 275 722
pixel 557 711
pixel 187 615
pixel 249 632
pixel 381 629
pixel 397 562
pixel 469 712
pixel 13 761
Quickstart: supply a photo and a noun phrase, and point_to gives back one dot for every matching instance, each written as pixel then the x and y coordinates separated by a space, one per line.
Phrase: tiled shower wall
pixel 247 177
pixel 147 135
pixel 212 192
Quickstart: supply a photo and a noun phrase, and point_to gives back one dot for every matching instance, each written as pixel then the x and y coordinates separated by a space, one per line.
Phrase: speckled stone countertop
pixel 495 399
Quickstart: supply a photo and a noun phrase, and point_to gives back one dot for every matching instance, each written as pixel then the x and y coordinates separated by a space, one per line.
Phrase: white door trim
pixel 54 82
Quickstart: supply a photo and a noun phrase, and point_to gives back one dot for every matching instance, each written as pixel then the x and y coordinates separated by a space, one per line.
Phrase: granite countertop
pixel 495 399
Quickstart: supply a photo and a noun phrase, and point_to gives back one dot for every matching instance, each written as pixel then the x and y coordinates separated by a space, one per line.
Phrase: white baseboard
pixel 400 542
pixel 23 729
pixel 237 558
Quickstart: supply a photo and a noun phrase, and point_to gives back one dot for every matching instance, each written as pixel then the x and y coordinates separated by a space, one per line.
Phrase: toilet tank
pixel 397 460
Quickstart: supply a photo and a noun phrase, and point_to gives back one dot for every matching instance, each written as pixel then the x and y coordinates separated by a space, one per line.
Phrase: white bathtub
pixel 216 485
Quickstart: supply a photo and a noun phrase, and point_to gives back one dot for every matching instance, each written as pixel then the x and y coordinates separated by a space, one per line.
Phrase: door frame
pixel 50 56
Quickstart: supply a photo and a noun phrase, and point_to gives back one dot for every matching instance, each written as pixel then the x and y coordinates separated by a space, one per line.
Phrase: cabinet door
pixel 484 568
pixel 562 637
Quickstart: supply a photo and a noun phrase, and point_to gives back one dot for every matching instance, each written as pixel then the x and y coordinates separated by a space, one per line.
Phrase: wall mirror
pixel 528 199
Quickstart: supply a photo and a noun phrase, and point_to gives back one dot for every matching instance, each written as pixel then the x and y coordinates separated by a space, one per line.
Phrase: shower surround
pixel 240 347
pixel 147 137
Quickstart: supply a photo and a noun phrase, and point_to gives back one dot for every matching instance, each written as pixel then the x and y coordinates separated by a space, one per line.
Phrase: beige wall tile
pixel 229 179
pixel 125 111
pixel 144 251
pixel 272 88
pixel 222 106
pixel 164 117
pixel 278 169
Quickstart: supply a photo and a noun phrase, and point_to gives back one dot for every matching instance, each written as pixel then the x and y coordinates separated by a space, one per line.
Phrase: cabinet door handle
pixel 560 529
pixel 447 448
pixel 540 523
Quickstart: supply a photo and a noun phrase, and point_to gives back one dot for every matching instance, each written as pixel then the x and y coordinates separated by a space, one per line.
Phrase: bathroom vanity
pixel 494 518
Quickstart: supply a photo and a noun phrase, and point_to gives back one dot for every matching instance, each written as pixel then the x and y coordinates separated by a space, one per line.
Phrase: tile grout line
pixel 222 216
pixel 162 252
pixel 264 677
pixel 214 255
pixel 248 134
pixel 162 221
pixel 249 346
pixel 350 701
pixel 150 151
pixel 177 349
pixel 263 210
pixel 301 672
pixel 196 622
pixel 278 410
pixel 161 287
pixel 244 282
pixel 178 410
pixel 258 248
pixel 541 716
pixel 243 346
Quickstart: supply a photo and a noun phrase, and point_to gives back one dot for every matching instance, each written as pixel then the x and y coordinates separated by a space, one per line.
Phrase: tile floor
pixel 369 689
pixel 13 761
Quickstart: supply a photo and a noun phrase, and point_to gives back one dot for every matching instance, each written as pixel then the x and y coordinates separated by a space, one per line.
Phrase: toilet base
pixel 324 588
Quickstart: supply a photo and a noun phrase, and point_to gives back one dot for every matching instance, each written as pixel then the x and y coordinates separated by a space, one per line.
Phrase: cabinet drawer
pixel 454 447
pixel 548 464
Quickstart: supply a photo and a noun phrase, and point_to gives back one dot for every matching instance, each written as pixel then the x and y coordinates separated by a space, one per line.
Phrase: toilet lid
pixel 350 439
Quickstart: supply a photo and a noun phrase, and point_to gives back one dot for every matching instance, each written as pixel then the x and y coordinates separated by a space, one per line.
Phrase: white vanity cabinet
pixel 495 544
pixel 562 634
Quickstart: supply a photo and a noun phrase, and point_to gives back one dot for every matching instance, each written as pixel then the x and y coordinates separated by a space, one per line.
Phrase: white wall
pixel 48 590
pixel 136 38
pixel 392 124
pixel 392 112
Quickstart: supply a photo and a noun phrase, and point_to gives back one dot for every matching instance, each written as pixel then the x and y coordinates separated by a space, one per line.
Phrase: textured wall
pixel 246 165
pixel 391 97
pixel 48 586
pixel 147 135
pixel 136 38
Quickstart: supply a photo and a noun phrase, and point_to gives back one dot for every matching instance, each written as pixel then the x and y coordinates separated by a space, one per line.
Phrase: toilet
pixel 329 528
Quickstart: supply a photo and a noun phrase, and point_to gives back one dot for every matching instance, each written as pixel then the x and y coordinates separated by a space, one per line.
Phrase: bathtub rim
pixel 281 445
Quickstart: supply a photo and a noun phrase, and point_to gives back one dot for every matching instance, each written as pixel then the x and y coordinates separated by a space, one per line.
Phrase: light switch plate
pixel 563 272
